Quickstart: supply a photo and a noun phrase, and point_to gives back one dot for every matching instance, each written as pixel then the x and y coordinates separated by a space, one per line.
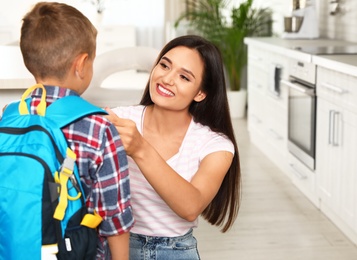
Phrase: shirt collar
pixel 54 92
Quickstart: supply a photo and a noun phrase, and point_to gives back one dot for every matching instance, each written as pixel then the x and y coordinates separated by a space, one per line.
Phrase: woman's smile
pixel 164 91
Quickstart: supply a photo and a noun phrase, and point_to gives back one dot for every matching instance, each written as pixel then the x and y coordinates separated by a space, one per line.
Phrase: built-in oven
pixel 302 111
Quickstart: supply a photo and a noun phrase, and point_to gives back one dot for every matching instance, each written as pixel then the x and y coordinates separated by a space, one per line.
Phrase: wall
pixel 147 16
pixel 155 18
pixel 341 26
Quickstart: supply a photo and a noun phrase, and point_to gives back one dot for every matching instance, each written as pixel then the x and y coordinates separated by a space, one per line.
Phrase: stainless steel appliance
pixel 302 101
pixel 302 111
pixel 303 21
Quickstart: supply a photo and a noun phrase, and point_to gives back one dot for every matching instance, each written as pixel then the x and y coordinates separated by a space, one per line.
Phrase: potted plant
pixel 206 17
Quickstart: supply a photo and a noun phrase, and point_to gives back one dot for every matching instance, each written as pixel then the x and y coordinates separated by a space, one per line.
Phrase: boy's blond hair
pixel 52 35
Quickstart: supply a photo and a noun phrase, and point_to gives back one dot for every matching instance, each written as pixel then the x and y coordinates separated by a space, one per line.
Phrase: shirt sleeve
pixel 217 143
pixel 112 189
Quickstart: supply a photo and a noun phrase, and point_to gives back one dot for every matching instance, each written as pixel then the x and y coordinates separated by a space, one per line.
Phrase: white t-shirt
pixel 152 215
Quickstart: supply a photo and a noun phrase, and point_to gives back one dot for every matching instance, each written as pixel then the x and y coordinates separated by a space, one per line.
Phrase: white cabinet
pixel 267 110
pixel 333 185
pixel 303 178
pixel 336 146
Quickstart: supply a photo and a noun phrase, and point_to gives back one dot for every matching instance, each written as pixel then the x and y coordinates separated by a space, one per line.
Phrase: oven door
pixel 301 121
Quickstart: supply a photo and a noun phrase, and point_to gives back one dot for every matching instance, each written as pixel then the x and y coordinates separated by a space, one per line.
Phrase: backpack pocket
pixel 79 242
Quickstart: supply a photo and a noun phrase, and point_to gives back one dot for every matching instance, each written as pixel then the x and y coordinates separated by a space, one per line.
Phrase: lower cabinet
pixel 303 178
pixel 267 106
pixel 332 187
pixel 336 170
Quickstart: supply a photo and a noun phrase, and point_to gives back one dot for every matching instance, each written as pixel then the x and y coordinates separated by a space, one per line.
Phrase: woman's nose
pixel 169 78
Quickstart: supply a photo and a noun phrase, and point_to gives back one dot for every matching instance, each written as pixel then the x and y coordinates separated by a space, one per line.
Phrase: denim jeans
pixel 163 248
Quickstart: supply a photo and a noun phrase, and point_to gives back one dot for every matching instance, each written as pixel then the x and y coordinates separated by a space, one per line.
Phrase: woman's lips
pixel 164 91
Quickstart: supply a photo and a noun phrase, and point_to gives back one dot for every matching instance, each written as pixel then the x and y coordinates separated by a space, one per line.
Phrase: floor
pixel 275 222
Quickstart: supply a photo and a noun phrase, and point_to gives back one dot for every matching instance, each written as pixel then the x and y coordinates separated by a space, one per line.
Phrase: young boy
pixel 58 45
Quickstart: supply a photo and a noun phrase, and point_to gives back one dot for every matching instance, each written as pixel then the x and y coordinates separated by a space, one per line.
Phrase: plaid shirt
pixel 102 166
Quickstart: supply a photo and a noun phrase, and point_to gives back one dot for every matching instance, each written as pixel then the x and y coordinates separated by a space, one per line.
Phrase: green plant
pixel 206 17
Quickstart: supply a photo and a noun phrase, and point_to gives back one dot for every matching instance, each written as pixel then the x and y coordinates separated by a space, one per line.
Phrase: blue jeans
pixel 163 248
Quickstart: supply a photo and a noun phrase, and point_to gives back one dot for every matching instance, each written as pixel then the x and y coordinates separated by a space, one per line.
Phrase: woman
pixel 183 154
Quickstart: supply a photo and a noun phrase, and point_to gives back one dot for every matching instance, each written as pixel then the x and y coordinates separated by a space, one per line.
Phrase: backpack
pixel 42 208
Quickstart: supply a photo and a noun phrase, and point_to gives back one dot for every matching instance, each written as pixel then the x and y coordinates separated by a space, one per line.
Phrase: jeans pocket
pixel 187 244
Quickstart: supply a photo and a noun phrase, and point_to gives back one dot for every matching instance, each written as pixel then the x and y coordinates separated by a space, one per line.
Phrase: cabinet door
pixel 336 175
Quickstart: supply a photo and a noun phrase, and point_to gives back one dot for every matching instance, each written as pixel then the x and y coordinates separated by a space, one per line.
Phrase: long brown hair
pixel 213 112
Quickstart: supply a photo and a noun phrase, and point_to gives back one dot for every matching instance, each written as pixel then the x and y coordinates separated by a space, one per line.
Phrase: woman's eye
pixel 163 65
pixel 184 78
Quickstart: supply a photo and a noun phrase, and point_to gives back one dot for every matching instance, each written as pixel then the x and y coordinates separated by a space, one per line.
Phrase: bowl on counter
pixel 292 23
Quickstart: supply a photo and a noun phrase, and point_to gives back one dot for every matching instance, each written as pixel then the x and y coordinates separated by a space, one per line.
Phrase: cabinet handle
pixel 257 119
pixel 333 130
pixel 257 85
pixel 274 134
pixel 254 57
pixel 297 173
pixel 336 129
pixel 330 127
pixel 334 88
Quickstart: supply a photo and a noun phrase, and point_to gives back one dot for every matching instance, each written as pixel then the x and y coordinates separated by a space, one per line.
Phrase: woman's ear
pixel 80 62
pixel 200 96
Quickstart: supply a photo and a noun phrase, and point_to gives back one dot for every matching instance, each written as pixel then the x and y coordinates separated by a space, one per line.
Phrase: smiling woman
pixel 178 75
pixel 183 157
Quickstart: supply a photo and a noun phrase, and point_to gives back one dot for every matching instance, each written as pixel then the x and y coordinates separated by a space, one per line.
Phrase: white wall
pixel 154 18
pixel 147 16
pixel 342 25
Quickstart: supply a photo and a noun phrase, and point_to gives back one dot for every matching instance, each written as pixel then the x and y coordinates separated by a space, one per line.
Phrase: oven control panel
pixel 303 71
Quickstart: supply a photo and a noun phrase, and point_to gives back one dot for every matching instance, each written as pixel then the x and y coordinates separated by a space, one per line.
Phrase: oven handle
pixel 299 87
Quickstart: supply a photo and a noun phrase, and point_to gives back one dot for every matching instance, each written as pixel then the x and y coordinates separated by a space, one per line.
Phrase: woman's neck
pixel 166 122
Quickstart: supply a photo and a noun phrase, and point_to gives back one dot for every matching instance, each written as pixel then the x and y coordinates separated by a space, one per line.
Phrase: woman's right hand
pixel 129 134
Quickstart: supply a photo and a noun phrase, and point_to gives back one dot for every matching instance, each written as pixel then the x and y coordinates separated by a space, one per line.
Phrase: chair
pixel 120 76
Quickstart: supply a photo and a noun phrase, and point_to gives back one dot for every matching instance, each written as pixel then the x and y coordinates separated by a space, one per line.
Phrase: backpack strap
pixel 71 108
pixel 62 112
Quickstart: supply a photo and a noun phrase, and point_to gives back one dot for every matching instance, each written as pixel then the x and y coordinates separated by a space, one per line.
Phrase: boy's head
pixel 52 36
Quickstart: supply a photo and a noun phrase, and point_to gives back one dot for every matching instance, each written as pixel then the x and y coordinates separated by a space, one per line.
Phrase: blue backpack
pixel 42 208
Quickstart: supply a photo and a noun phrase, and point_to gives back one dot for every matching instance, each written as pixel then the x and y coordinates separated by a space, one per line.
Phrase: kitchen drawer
pixel 257 78
pixel 258 58
pixel 338 88
pixel 256 109
pixel 303 178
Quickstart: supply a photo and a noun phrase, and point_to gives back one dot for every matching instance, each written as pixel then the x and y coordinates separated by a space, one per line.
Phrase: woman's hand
pixel 129 134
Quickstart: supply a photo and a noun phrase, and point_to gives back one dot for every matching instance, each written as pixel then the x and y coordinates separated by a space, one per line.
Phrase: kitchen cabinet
pixel 267 109
pixel 332 186
pixel 303 178
pixel 336 144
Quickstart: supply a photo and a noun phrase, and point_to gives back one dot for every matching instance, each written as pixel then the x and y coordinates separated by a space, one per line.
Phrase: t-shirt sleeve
pixel 215 144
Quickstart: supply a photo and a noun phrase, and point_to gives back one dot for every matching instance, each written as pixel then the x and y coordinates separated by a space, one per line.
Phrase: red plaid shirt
pixel 103 168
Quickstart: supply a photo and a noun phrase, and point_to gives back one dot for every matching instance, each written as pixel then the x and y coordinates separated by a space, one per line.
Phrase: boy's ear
pixel 79 65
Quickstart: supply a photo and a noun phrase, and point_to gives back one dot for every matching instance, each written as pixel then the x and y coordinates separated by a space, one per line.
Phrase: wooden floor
pixel 275 222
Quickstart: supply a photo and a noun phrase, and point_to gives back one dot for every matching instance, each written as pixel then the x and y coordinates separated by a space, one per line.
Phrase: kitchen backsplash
pixel 343 24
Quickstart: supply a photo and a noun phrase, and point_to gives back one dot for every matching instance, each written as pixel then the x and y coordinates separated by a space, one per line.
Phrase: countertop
pixel 342 63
